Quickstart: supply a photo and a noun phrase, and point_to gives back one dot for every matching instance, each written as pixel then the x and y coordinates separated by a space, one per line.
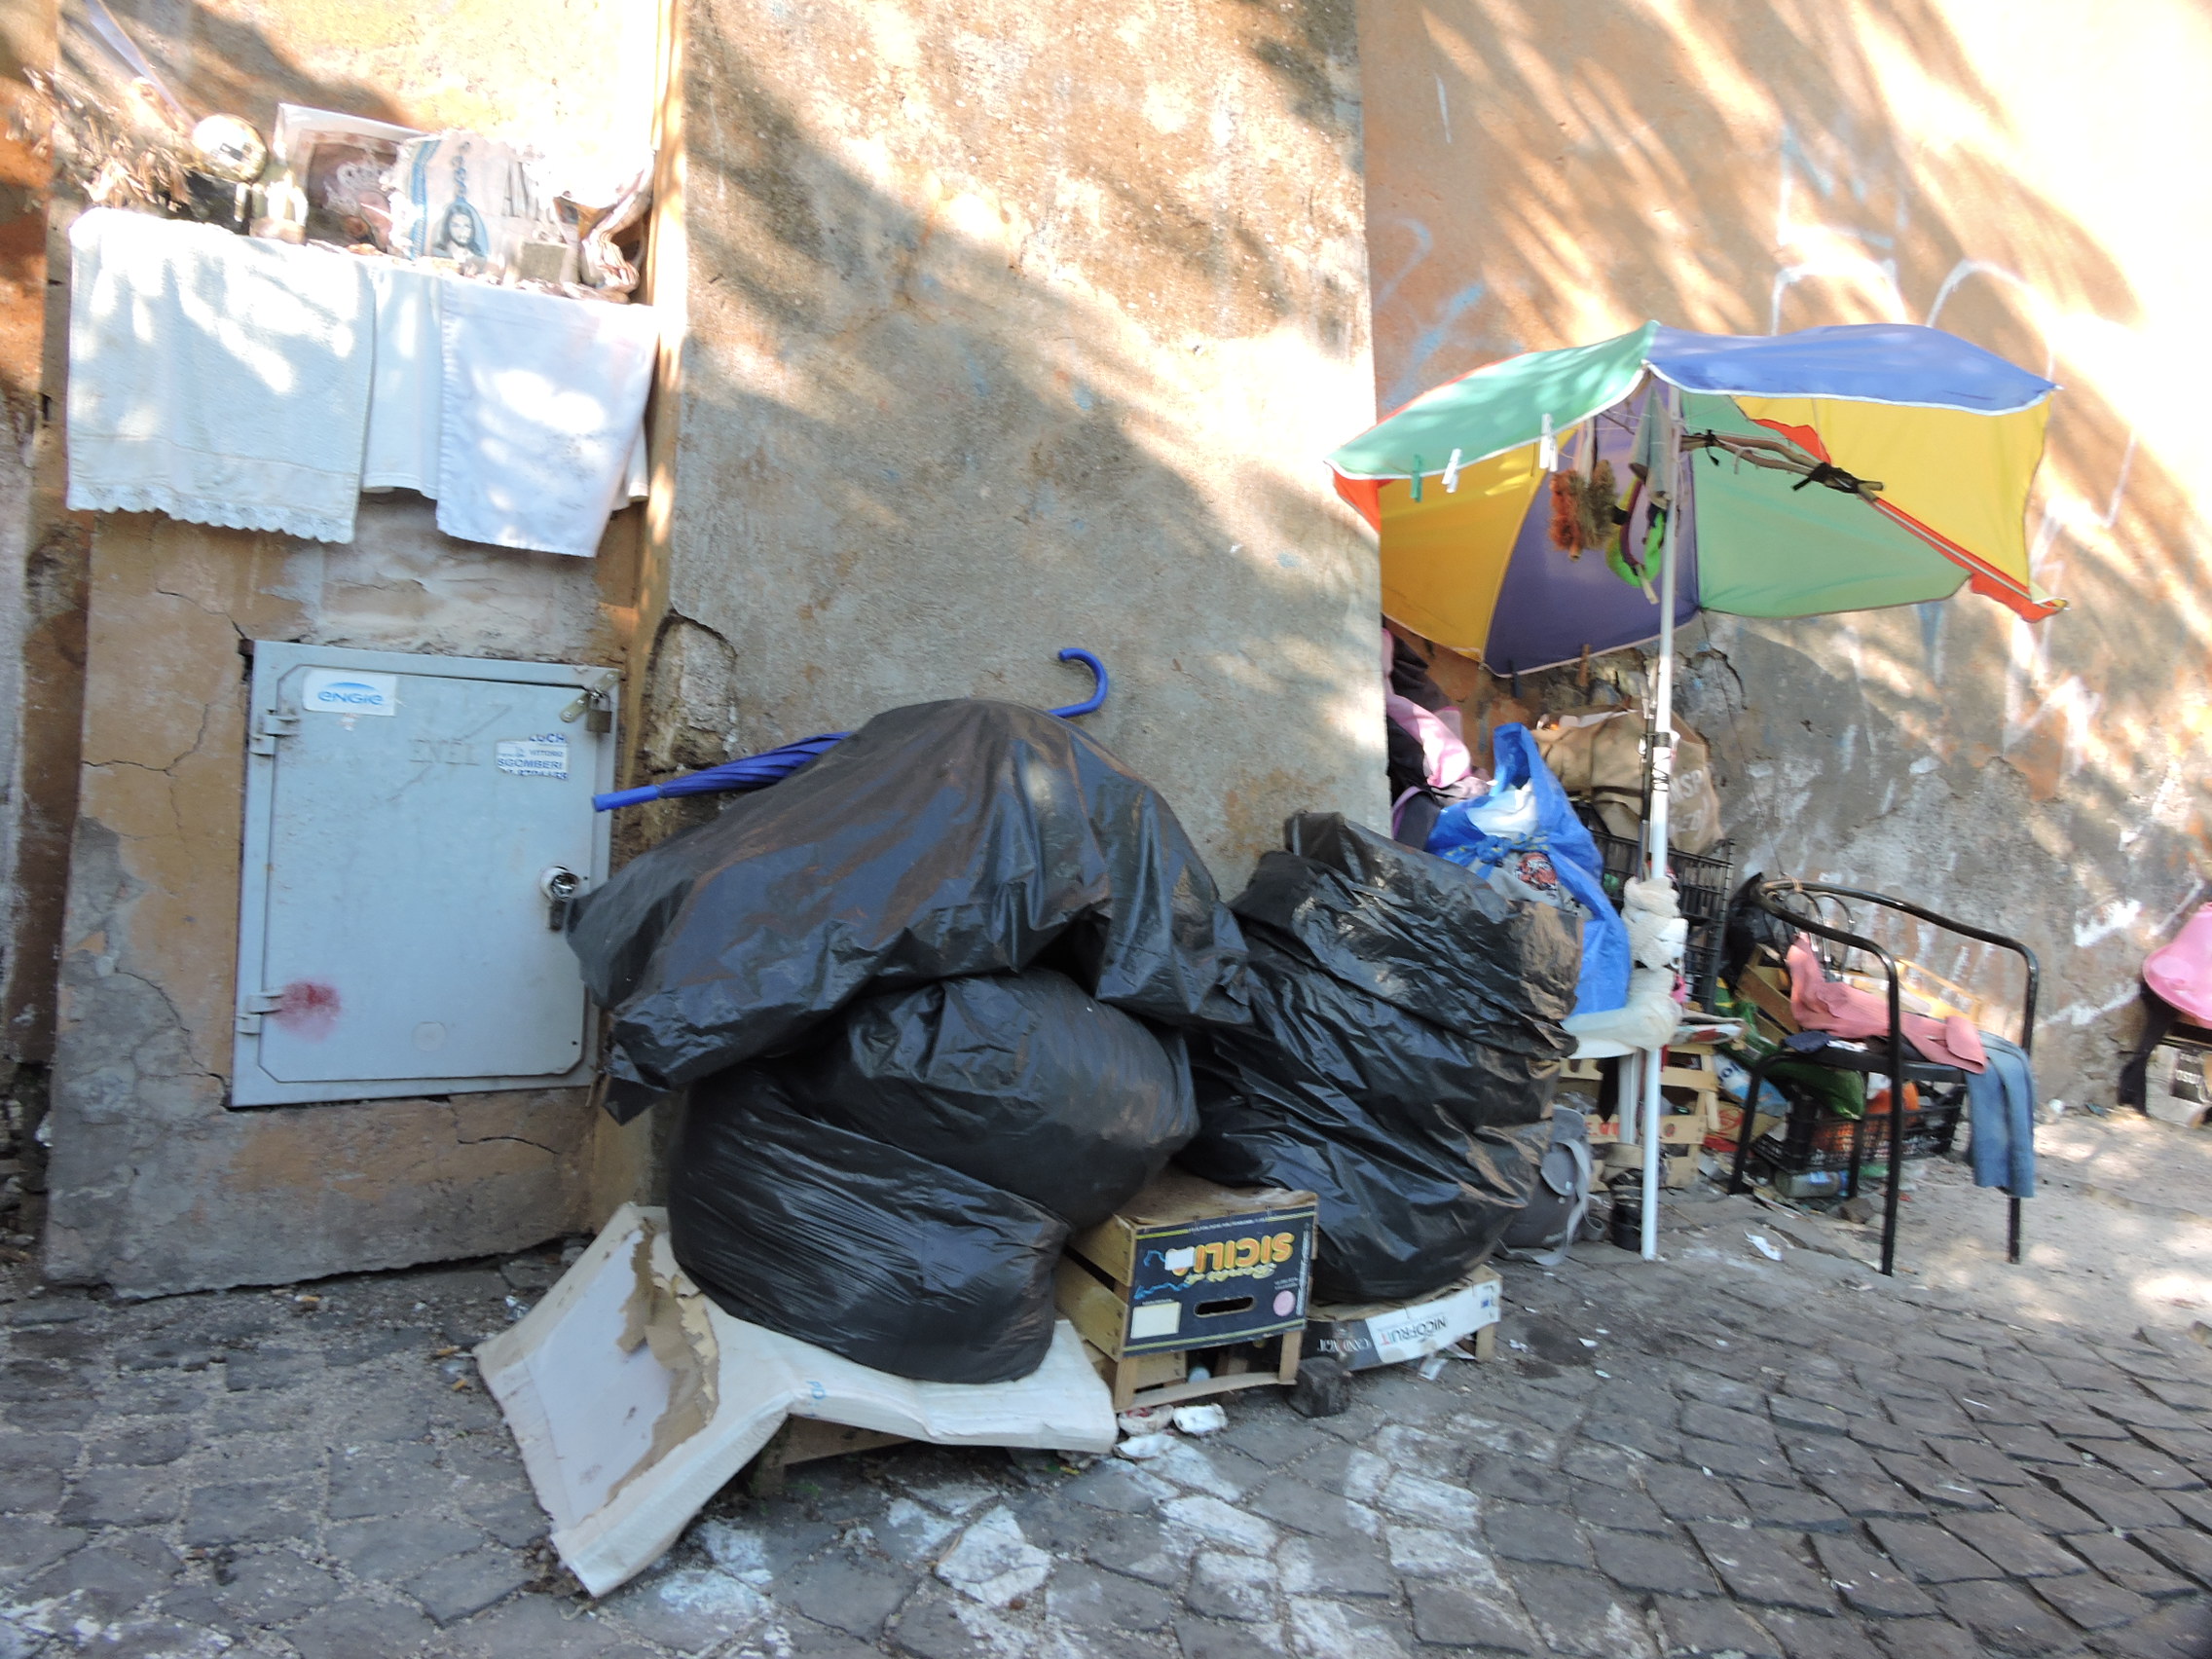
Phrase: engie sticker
pixel 347 691
pixel 544 757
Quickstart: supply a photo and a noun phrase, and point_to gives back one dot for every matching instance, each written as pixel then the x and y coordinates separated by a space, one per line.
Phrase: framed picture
pixel 338 163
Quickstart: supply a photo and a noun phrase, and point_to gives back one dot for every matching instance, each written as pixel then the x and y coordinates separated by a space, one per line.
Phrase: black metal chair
pixel 1891 1059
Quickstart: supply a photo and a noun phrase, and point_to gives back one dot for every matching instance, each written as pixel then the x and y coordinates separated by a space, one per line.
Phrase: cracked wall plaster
pixel 688 720
pixel 157 1186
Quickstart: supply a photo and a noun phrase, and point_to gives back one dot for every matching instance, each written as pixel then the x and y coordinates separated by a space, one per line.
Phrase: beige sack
pixel 1598 754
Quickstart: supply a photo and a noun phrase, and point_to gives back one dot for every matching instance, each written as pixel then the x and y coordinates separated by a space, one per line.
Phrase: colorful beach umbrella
pixel 1833 469
pixel 1565 503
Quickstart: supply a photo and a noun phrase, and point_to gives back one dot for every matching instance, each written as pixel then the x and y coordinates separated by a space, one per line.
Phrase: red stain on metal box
pixel 308 1009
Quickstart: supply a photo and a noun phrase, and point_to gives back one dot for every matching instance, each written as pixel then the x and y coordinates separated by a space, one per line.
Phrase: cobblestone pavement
pixel 1719 1454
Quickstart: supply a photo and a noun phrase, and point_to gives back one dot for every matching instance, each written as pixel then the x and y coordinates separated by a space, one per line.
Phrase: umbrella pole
pixel 1662 740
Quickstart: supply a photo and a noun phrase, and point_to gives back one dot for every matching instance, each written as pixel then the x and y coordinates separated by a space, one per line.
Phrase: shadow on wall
pixel 1542 175
pixel 1023 357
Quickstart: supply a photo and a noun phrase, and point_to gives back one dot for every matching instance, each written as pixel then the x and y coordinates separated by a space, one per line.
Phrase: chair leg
pixel 1857 1150
pixel 2158 1019
pixel 1895 1194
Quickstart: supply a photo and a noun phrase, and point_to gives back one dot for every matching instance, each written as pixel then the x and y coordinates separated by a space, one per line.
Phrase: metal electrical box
pixel 414 828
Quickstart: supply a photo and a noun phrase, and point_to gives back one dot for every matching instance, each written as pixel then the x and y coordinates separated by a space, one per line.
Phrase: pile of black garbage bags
pixel 1404 1042
pixel 939 999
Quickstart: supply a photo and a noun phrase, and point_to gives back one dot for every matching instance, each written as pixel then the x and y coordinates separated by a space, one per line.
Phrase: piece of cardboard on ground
pixel 1364 1335
pixel 634 1399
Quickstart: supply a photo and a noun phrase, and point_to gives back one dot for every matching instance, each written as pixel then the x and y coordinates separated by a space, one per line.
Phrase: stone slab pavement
pixel 1718 1455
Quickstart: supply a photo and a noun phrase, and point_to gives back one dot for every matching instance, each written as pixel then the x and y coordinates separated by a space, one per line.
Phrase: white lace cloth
pixel 216 377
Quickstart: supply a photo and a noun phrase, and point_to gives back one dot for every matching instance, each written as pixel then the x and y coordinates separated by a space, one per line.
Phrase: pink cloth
pixel 2181 973
pixel 1819 1003
pixel 1444 758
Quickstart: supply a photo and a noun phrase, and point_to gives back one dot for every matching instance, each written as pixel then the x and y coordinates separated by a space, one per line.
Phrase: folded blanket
pixel 1819 1003
pixel 216 377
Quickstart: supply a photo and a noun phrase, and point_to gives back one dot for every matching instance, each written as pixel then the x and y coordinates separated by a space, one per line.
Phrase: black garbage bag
pixel 1405 1043
pixel 1411 1195
pixel 1422 934
pixel 1019 1079
pixel 1746 927
pixel 938 840
pixel 857 1246
pixel 1558 1199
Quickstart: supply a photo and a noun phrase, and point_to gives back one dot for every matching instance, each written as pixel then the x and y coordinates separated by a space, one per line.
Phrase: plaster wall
pixel 1015 327
pixel 1544 175
pixel 42 574
pixel 153 1184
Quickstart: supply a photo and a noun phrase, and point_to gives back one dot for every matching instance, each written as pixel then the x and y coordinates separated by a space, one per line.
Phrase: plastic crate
pixel 1702 881
pixel 1822 1140
pixel 1701 889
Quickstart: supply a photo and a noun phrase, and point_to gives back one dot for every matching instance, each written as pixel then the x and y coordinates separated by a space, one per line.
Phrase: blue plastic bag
pixel 1526 811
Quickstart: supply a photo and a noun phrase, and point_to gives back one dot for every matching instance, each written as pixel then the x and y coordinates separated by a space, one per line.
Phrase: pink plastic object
pixel 2181 971
pixel 1444 758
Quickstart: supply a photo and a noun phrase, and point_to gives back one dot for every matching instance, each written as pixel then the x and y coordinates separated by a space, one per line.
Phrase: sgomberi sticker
pixel 546 756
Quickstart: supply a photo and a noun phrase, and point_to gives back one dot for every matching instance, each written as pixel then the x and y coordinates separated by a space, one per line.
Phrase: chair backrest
pixel 1899 975
pixel 1927 992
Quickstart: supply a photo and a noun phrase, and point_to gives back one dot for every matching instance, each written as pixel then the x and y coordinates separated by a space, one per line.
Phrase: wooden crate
pixel 1768 989
pixel 804 1440
pixel 1187 1264
pixel 1175 1205
pixel 1677 1161
pixel 1362 1336
pixel 1688 1068
pixel 1163 1379
pixel 1100 1311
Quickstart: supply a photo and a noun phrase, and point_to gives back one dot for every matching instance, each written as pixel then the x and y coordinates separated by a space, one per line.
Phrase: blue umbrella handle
pixel 1097 698
pixel 737 775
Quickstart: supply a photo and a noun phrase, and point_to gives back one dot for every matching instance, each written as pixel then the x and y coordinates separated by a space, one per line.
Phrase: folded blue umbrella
pixel 773 765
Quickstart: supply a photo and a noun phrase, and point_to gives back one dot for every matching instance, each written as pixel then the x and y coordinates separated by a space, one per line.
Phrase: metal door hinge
pixel 253 1007
pixel 595 707
pixel 268 728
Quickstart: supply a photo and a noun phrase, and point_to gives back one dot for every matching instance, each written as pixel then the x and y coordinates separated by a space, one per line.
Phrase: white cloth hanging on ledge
pixel 254 384
pixel 405 447
pixel 543 397
pixel 409 388
pixel 216 377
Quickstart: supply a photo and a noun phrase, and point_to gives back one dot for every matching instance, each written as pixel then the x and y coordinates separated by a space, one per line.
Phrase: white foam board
pixel 634 1399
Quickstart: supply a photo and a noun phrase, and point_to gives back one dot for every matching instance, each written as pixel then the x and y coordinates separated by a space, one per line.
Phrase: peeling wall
pixel 1540 175
pixel 1016 327
pixel 42 574
pixel 155 1185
